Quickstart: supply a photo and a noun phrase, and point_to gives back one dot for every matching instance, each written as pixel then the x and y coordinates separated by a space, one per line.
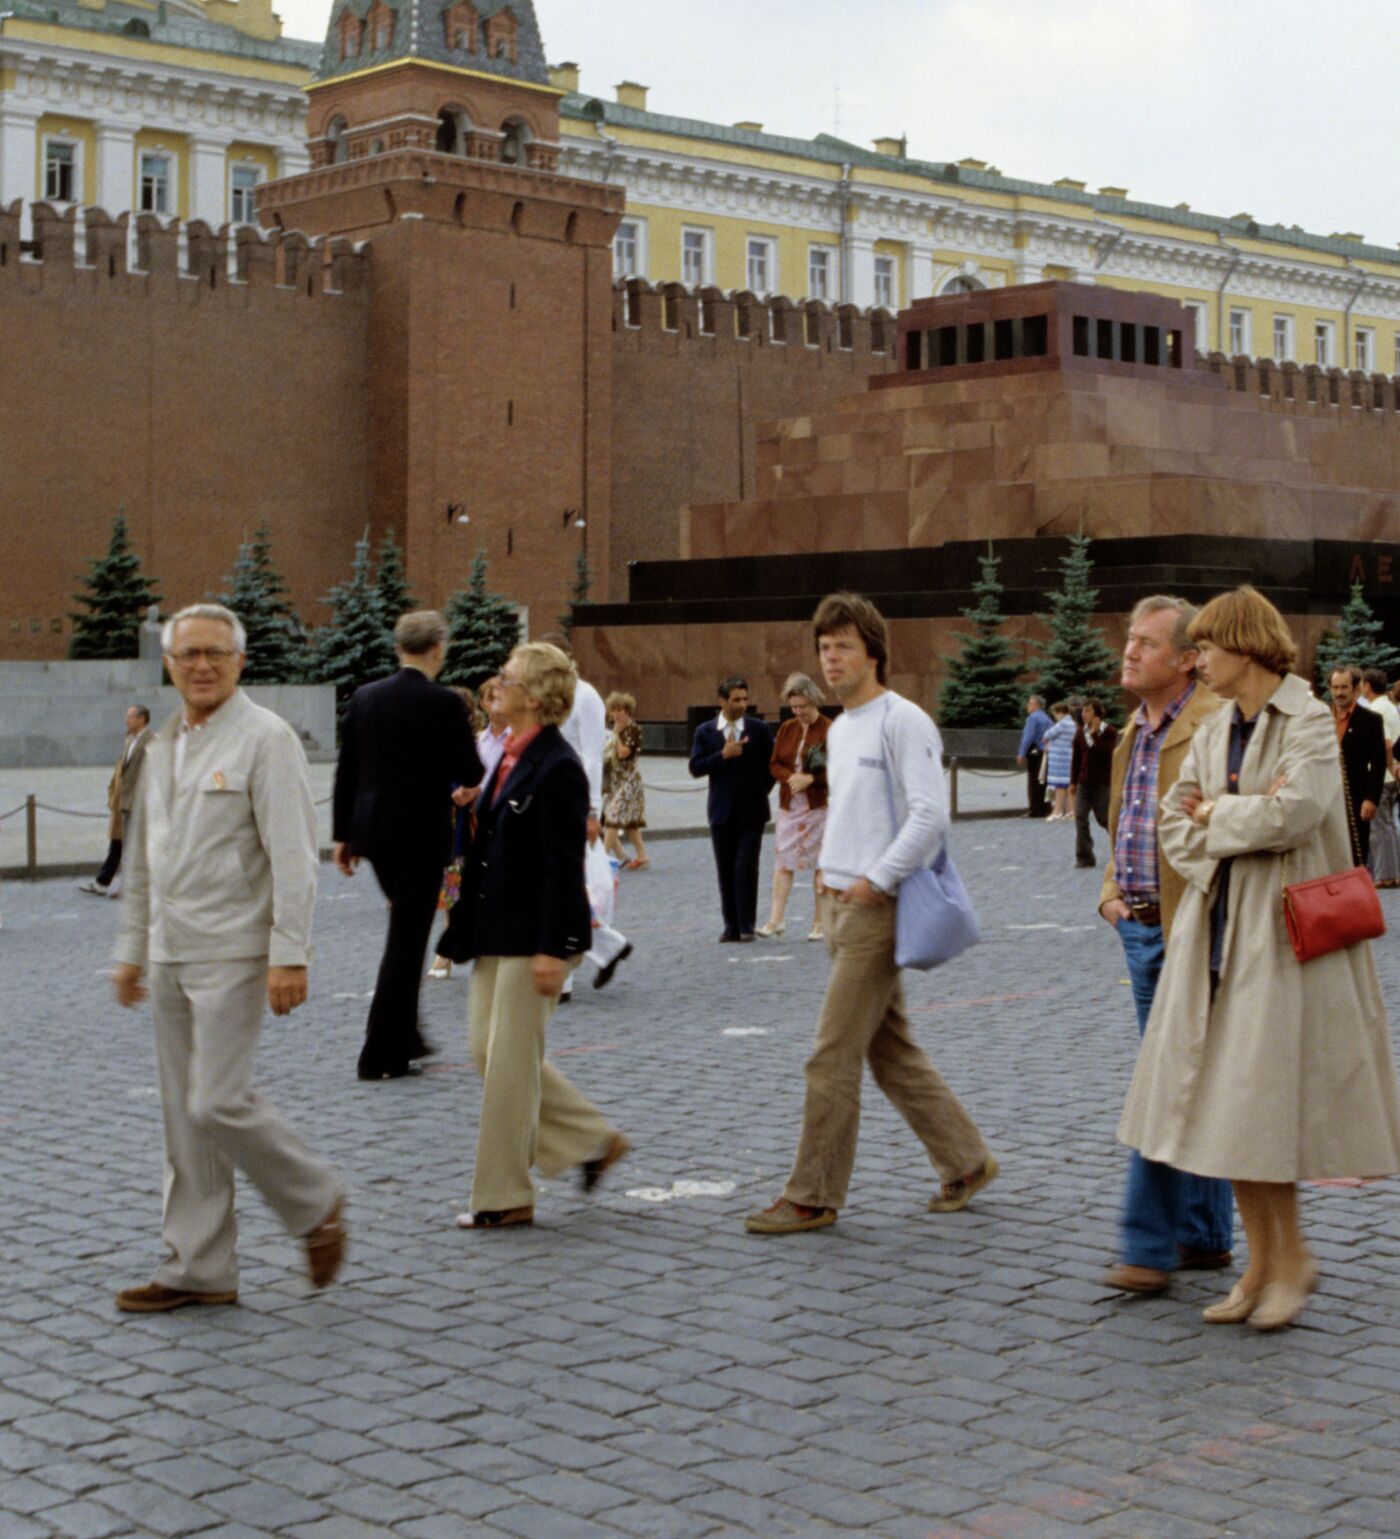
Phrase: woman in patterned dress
pixel 799 767
pixel 625 810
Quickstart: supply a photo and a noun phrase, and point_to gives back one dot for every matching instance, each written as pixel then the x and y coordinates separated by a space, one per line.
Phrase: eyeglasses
pixel 187 657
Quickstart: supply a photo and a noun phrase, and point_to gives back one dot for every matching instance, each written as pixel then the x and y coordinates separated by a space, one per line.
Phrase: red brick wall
pixel 686 402
pixel 199 410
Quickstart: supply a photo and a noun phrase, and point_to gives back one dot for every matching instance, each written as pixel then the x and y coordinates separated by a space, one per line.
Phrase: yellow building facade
pixel 742 209
pixel 177 108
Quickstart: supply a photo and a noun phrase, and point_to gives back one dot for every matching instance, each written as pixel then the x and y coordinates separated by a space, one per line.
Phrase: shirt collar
pixel 724 723
pixel 1170 714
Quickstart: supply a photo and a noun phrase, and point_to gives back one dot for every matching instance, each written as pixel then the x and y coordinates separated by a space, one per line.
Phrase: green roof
pixel 942 174
pixel 419 34
pixel 167 24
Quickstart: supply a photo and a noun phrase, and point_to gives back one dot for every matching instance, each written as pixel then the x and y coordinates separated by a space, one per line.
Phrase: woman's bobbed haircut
pixel 1244 621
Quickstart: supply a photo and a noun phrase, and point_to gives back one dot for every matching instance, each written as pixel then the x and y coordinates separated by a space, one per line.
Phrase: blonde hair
pixel 617 701
pixel 1244 621
pixel 549 677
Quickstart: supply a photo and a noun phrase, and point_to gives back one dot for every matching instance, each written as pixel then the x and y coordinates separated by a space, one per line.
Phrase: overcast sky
pixel 1279 108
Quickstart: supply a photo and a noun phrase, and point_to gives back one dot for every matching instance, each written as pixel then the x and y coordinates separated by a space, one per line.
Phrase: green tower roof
pixel 421 32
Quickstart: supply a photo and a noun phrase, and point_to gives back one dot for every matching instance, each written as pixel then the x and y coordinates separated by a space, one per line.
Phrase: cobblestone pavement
pixel 636 1365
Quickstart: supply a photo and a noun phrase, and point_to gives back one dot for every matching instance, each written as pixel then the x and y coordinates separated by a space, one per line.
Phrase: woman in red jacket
pixel 799 767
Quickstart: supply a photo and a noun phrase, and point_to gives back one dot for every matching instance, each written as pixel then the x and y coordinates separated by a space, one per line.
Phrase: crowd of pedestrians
pixel 1228 782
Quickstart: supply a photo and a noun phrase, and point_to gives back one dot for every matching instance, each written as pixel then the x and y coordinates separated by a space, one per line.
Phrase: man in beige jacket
pixel 121 798
pixel 1170 1220
pixel 220 891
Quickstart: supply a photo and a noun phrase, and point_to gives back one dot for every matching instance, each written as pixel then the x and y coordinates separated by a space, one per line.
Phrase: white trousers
pixel 607 947
pixel 208 1016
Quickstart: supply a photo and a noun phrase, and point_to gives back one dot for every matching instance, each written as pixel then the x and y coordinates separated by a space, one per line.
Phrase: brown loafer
pixel 1127 1278
pixel 504 1218
pixel 325 1247
pixel 954 1196
pixel 786 1217
pixel 591 1172
pixel 153 1298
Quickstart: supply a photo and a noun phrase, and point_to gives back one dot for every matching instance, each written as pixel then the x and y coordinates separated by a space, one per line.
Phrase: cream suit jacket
pixel 223 862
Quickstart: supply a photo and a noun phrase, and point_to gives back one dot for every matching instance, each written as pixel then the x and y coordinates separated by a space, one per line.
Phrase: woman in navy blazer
pixel 526 922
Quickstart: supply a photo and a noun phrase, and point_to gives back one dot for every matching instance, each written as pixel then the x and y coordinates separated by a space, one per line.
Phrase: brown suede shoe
pixel 591 1172
pixel 153 1298
pixel 786 1217
pixel 954 1196
pixel 325 1247
pixel 1202 1260
pixel 1127 1278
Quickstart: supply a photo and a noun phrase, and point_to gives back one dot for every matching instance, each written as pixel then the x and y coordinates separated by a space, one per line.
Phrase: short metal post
pixel 31 836
pixel 953 788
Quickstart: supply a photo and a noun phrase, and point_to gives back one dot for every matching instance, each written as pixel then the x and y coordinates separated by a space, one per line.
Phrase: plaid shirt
pixel 1135 859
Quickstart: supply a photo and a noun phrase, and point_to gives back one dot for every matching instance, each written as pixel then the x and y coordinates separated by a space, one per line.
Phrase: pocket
pixel 224 783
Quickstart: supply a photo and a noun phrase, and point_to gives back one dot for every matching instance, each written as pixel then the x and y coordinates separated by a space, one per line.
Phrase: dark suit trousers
pixel 392 1038
pixel 1035 791
pixel 1089 801
pixel 737 847
pixel 108 874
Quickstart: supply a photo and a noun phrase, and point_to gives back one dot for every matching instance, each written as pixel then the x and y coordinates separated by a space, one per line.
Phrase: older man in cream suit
pixel 220 890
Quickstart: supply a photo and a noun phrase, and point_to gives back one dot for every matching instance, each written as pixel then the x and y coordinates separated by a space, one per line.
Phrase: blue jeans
pixel 1165 1209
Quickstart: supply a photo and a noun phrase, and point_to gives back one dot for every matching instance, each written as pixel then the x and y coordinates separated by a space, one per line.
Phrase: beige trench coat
pixel 1288 1075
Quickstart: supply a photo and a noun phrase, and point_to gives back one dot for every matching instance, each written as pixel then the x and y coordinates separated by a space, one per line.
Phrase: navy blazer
pixel 739 787
pixel 405 743
pixel 523 888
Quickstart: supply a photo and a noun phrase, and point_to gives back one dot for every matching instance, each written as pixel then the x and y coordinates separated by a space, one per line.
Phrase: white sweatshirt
pixel 887 747
pixel 585 730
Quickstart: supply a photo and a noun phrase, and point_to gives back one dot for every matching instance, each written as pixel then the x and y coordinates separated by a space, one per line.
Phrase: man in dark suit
pixel 1091 775
pixel 1361 735
pixel 734 750
pixel 121 798
pixel 405 744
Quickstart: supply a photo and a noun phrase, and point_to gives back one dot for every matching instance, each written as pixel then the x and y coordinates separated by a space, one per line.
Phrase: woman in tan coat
pixel 1255 1067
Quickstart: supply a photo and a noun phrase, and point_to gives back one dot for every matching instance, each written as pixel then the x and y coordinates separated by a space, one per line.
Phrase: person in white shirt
pixel 586 732
pixel 887 816
pixel 1383 858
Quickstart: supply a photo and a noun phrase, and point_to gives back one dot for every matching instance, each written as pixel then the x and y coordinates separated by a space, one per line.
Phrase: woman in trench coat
pixel 1256 1067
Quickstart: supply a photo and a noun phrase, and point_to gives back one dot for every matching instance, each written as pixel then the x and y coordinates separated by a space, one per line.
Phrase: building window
pixel 820 268
pixel 242 181
pixel 628 250
pixel 1364 350
pixel 155 184
pixel 760 265
pixel 695 257
pixel 1322 344
pixel 1197 311
pixel 1283 338
pixel 884 282
pixel 60 170
pixel 1239 333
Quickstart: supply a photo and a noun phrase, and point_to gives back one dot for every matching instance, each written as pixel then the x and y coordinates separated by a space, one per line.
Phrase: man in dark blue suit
pixel 734 750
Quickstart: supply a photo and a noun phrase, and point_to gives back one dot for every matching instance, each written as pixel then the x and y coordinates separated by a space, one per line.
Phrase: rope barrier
pixel 70 812
pixel 11 813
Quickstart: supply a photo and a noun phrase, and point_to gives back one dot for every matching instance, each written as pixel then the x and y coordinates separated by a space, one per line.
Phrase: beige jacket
pixel 1201 704
pixel 1287 1075
pixel 121 789
pixel 222 865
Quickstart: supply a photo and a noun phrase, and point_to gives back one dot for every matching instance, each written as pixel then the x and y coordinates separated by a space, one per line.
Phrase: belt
pixel 1144 913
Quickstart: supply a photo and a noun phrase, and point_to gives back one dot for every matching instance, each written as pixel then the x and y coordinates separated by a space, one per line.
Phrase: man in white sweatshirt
pixel 887 816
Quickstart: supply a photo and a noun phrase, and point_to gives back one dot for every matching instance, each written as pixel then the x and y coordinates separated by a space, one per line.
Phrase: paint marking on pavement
pixel 745 1031
pixel 681 1189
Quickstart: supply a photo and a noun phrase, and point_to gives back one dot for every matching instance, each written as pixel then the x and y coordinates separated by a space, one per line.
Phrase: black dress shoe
pixel 604 974
pixel 747 940
pixel 425 1049
pixel 408 1071
pixel 728 936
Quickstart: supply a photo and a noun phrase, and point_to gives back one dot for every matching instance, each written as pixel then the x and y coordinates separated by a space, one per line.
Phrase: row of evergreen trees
pixel 987 682
pixel 355 645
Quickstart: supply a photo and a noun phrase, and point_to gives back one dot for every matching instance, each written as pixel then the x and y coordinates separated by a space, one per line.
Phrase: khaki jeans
pixel 208 1016
pixel 530 1114
pixel 863 1021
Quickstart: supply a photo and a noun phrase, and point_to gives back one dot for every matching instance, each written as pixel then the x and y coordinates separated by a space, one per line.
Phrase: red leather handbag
pixel 1331 913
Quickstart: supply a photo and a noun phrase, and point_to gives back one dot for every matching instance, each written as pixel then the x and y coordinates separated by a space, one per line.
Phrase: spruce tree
pixel 391 581
pixel 1356 642
pixel 277 649
pixel 981 688
pixel 355 647
pixel 578 592
pixel 484 628
pixel 1076 660
pixel 117 597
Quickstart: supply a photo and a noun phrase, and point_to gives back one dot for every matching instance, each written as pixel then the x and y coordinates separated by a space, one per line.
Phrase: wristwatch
pixel 1204 810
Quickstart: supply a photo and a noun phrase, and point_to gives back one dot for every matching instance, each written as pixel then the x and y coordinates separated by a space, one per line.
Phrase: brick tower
pixel 433 133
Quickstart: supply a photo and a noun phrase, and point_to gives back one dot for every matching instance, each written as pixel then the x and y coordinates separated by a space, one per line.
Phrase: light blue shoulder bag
pixel 934 921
